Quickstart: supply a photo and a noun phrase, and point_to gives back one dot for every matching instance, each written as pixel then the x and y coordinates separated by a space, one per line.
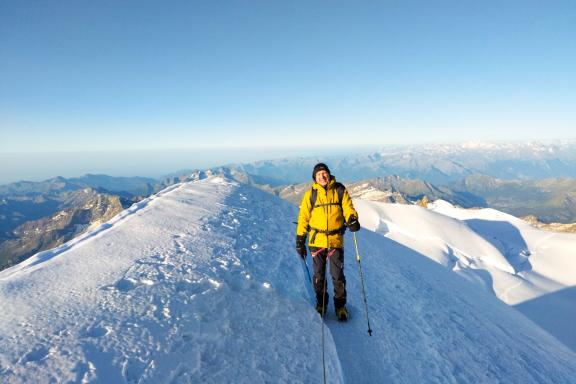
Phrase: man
pixel 325 207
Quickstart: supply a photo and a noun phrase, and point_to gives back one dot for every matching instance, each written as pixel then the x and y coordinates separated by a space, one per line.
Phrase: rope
pixel 322 325
pixel 324 289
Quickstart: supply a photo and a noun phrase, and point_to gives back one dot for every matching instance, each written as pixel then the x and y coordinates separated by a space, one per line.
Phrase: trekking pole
pixel 362 281
pixel 308 271
pixel 305 263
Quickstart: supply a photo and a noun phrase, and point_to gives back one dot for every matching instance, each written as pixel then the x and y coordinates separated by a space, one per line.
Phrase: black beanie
pixel 319 167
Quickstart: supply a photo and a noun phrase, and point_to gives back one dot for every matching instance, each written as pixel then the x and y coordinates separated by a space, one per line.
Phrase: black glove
pixel 353 224
pixel 301 246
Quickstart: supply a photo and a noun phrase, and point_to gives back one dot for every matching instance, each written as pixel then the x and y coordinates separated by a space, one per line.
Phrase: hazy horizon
pixel 156 163
pixel 153 163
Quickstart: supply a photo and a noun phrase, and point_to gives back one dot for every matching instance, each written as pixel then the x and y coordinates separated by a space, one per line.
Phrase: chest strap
pixel 315 231
pixel 325 204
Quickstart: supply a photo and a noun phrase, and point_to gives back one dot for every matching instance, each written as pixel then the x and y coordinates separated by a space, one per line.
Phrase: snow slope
pixel 532 269
pixel 200 283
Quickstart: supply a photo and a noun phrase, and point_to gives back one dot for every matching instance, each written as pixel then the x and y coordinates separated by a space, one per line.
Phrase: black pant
pixel 334 256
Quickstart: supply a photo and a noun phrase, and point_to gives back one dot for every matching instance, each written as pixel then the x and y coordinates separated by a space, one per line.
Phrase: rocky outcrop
pixel 552 227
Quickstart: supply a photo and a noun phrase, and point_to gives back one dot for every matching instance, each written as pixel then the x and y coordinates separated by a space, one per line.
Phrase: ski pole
pixel 362 281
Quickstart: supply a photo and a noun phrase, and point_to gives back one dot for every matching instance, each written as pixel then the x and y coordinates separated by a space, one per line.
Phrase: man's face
pixel 322 178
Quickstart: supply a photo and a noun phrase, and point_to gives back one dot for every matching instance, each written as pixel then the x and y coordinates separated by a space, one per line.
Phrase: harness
pixel 313 195
pixel 330 253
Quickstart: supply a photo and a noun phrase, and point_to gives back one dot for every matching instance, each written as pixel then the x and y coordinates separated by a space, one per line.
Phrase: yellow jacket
pixel 326 216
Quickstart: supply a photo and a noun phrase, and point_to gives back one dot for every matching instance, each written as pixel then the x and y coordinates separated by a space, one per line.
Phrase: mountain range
pixel 531 180
pixel 435 163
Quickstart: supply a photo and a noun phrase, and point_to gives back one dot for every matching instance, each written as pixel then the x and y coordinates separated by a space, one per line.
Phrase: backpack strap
pixel 314 194
pixel 340 191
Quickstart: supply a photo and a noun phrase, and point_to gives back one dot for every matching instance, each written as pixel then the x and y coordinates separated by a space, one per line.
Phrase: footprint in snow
pixel 96 331
pixel 39 352
pixel 125 285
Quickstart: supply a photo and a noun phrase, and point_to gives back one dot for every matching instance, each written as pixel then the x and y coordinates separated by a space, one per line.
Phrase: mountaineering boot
pixel 342 313
pixel 321 310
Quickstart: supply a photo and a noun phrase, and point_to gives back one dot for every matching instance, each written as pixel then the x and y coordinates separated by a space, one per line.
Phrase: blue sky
pixel 139 75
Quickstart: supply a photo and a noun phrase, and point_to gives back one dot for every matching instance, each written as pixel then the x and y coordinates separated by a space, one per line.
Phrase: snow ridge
pixel 202 284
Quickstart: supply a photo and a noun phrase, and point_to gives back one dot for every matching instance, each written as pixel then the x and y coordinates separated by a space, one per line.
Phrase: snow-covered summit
pixel 200 283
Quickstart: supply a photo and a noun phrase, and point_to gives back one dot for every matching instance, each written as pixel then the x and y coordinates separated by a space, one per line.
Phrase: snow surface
pixel 532 269
pixel 201 284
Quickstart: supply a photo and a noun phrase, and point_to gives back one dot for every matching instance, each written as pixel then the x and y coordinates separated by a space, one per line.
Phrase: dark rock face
pixel 87 208
pixel 39 216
